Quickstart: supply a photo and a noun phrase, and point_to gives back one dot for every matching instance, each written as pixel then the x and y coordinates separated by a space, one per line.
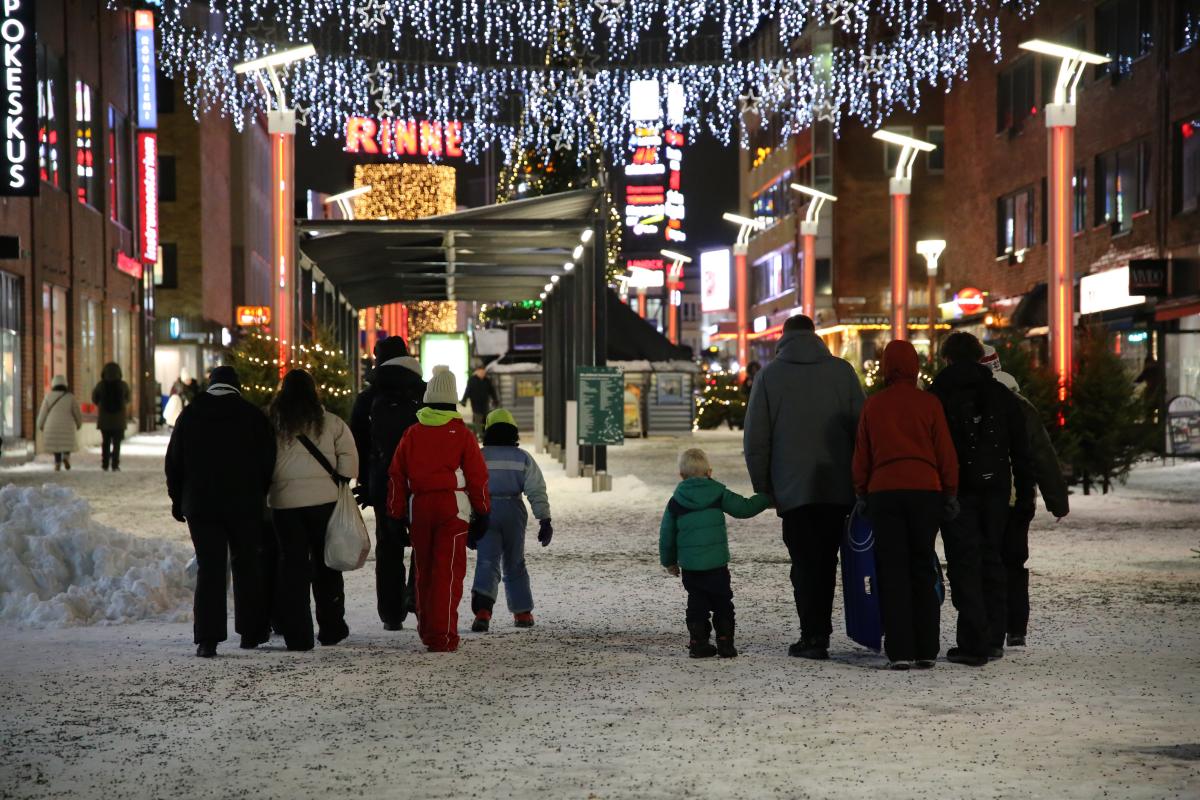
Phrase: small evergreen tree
pixel 330 371
pixel 255 356
pixel 721 401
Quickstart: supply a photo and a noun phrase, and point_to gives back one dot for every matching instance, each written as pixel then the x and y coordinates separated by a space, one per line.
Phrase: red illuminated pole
pixel 642 303
pixel 370 324
pixel 743 305
pixel 282 127
pixel 1060 120
pixel 901 190
pixel 808 285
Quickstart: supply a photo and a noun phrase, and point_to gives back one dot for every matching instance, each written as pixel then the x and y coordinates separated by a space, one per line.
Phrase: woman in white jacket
pixel 303 494
pixel 58 420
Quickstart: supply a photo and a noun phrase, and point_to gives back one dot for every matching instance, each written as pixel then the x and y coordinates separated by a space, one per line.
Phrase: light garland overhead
pixel 473 60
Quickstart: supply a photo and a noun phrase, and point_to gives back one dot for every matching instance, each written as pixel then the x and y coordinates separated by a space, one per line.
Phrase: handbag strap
pixel 320 457
pixel 52 405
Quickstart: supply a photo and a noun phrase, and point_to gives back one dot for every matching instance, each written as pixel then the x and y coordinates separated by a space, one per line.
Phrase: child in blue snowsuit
pixel 511 472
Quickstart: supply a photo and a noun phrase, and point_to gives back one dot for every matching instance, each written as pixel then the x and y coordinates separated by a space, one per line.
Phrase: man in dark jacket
pixel 801 424
pixel 988 430
pixel 111 398
pixel 219 466
pixel 381 415
pixel 481 395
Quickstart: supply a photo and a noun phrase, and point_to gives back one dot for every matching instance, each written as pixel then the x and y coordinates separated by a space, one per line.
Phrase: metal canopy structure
pixel 506 251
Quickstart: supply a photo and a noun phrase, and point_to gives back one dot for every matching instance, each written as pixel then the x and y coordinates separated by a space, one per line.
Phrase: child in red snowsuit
pixel 438 484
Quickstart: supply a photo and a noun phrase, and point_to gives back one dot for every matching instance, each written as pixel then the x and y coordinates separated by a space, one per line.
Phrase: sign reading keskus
pixel 146 91
pixel 18 99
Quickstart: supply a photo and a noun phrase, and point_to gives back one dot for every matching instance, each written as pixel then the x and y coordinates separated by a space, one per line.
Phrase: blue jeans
pixel 503 550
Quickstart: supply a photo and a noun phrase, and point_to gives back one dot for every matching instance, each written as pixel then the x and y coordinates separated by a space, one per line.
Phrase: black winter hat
pixel 389 348
pixel 226 375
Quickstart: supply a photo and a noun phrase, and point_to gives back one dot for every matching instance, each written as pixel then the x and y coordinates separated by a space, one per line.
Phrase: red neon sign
pixel 404 137
pixel 969 300
pixel 130 266
pixel 147 194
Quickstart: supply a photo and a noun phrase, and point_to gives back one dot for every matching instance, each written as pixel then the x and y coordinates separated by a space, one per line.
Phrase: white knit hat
pixel 442 387
pixel 990 358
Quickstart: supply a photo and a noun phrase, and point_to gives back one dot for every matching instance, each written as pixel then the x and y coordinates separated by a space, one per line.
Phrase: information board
pixel 1183 426
pixel 601 406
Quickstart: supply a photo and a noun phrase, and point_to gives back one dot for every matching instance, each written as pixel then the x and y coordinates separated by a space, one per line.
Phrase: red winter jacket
pixel 438 454
pixel 903 440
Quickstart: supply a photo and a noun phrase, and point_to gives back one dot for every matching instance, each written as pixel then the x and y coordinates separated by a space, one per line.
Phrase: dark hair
pixel 800 322
pixel 296 407
pixel 501 434
pixel 962 348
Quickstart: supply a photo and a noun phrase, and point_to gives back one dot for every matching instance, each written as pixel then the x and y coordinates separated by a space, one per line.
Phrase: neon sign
pixel 19 100
pixel 147 98
pixel 250 316
pixel 130 266
pixel 147 160
pixel 398 138
pixel 654 202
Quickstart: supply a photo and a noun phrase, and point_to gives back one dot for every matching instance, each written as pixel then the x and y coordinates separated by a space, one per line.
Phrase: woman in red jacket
pixel 906 479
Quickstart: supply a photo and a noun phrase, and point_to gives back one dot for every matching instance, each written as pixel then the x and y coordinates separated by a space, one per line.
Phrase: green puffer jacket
pixel 693 527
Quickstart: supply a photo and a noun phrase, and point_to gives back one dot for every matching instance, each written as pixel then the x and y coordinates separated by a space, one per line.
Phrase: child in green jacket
pixel 693 539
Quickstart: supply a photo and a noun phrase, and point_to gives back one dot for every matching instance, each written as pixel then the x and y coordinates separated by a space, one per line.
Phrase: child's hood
pixel 697 493
pixel 435 417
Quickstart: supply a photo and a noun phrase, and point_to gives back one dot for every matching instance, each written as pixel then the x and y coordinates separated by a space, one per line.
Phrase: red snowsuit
pixel 437 477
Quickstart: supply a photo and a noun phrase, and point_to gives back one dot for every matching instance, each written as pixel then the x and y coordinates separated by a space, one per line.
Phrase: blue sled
pixel 859 587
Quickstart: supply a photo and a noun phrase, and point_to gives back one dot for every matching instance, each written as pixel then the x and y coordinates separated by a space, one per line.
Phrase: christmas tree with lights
pixel 721 401
pixel 255 356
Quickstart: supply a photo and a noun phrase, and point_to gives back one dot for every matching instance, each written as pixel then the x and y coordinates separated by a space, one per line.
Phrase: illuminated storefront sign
pixel 130 266
pixel 1105 291
pixel 969 300
pixel 714 281
pixel 398 138
pixel 654 203
pixel 251 316
pixel 147 194
pixel 646 273
pixel 146 90
pixel 19 101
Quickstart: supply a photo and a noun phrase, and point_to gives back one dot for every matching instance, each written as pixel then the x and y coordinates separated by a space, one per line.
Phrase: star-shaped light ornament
pixel 872 63
pixel 609 11
pixel 824 111
pixel 585 81
pixel 837 12
pixel 380 76
pixel 373 14
pixel 561 139
pixel 749 103
pixel 302 115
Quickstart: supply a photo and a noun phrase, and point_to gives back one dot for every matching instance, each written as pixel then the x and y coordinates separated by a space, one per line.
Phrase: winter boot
pixel 57 466
pixel 957 655
pixel 810 647
pixel 699 646
pixel 900 666
pixel 924 663
pixel 1014 639
pixel 724 627
pixel 523 620
pixel 483 620
pixel 67 463
pixel 206 649
pixel 252 641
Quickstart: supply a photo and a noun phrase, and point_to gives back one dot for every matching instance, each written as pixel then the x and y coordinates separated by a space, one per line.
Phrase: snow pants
pixel 300 535
pixel 906 526
pixel 976 569
pixel 708 593
pixel 1015 554
pixel 502 551
pixel 239 540
pixel 438 527
pixel 813 534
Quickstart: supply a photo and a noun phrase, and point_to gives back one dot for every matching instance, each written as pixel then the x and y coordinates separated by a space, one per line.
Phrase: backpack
pixel 981 439
pixel 392 413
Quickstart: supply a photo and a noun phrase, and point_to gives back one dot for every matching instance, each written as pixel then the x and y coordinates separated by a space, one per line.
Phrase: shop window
pixel 120 181
pixel 90 352
pixel 51 84
pixel 824 277
pixel 166 269
pixel 1122 185
pixel 87 185
pixel 935 160
pixel 891 153
pixel 1186 175
pixel 166 178
pixel 10 355
pixel 1014 96
pixel 1124 33
pixel 1014 222
pixel 54 333
pixel 1187 24
pixel 122 341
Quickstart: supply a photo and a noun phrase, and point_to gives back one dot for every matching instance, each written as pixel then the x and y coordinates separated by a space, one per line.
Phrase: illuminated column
pixel 370 324
pixel 1060 121
pixel 281 125
pixel 674 287
pixel 743 304
pixel 808 237
pixel 642 303
pixel 932 249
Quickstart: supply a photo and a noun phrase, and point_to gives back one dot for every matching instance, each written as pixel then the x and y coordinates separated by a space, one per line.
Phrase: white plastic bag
pixel 346 541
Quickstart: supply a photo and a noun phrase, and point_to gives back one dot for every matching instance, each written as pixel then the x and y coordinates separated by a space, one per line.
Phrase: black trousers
pixel 906 526
pixel 110 448
pixel 214 540
pixel 300 534
pixel 709 593
pixel 391 588
pixel 976 570
pixel 813 534
pixel 1015 553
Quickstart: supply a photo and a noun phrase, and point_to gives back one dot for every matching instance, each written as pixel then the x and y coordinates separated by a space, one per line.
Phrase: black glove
pixel 1025 509
pixel 545 532
pixel 362 494
pixel 177 512
pixel 950 508
pixel 476 529
pixel 400 529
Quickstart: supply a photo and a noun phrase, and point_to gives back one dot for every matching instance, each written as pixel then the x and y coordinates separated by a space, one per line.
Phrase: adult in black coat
pixel 987 426
pixel 219 466
pixel 481 395
pixel 382 413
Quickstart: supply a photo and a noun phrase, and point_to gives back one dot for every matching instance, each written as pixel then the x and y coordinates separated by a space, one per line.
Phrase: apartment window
pixel 824 277
pixel 1014 95
pixel 164 90
pixel 775 275
pixel 936 159
pixel 1122 185
pixel 166 178
pixel 774 202
pixel 1074 36
pixel 10 355
pixel 120 202
pixel 1079 192
pixel 1124 33
pixel 51 84
pixel 1014 222
pixel 891 153
pixel 87 187
pixel 166 269
pixel 1187 24
pixel 1186 191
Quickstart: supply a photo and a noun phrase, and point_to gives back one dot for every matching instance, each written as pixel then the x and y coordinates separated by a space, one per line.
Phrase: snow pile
pixel 59 567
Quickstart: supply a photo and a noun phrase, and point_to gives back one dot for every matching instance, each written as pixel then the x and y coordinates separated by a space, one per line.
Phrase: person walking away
pixel 988 431
pixel 906 479
pixel 438 486
pixel 310 440
pixel 481 395
pixel 59 420
pixel 219 465
pixel 801 424
pixel 693 540
pixel 382 413
pixel 511 473
pixel 1048 475
pixel 111 398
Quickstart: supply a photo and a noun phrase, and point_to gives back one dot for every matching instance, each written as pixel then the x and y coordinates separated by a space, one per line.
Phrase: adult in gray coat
pixel 801 424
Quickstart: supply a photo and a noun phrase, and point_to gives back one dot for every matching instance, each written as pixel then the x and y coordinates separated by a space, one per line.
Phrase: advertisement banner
pixel 147 196
pixel 146 89
pixel 714 281
pixel 19 170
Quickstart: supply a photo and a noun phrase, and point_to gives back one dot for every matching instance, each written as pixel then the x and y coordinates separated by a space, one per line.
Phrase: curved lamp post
pixel 740 245
pixel 808 234
pixel 674 291
pixel 931 249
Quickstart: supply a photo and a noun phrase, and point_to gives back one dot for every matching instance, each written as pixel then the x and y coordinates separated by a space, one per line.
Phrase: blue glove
pixel 950 508
pixel 545 532
pixel 476 529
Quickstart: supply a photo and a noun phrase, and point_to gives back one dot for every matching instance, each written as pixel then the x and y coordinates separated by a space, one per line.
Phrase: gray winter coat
pixel 58 420
pixel 801 424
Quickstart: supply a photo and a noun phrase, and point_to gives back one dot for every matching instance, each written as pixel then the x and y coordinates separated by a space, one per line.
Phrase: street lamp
pixel 674 291
pixel 932 250
pixel 740 246
pixel 900 188
pixel 281 125
pixel 808 233
pixel 1060 119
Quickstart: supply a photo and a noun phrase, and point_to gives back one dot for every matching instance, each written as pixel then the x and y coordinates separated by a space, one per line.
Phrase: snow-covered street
pixel 600 700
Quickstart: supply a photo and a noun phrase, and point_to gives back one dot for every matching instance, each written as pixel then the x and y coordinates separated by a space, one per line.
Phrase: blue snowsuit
pixel 511 472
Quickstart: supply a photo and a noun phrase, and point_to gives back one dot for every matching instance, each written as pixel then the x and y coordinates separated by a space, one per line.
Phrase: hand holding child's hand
pixel 674 570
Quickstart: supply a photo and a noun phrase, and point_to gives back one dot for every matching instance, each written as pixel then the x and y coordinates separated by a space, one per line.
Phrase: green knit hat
pixel 500 416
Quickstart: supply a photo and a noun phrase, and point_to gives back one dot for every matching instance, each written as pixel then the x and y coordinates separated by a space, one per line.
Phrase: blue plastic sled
pixel 859 588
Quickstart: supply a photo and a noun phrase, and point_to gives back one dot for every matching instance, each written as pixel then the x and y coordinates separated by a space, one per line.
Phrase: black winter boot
pixel 816 649
pixel 724 627
pixel 700 646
